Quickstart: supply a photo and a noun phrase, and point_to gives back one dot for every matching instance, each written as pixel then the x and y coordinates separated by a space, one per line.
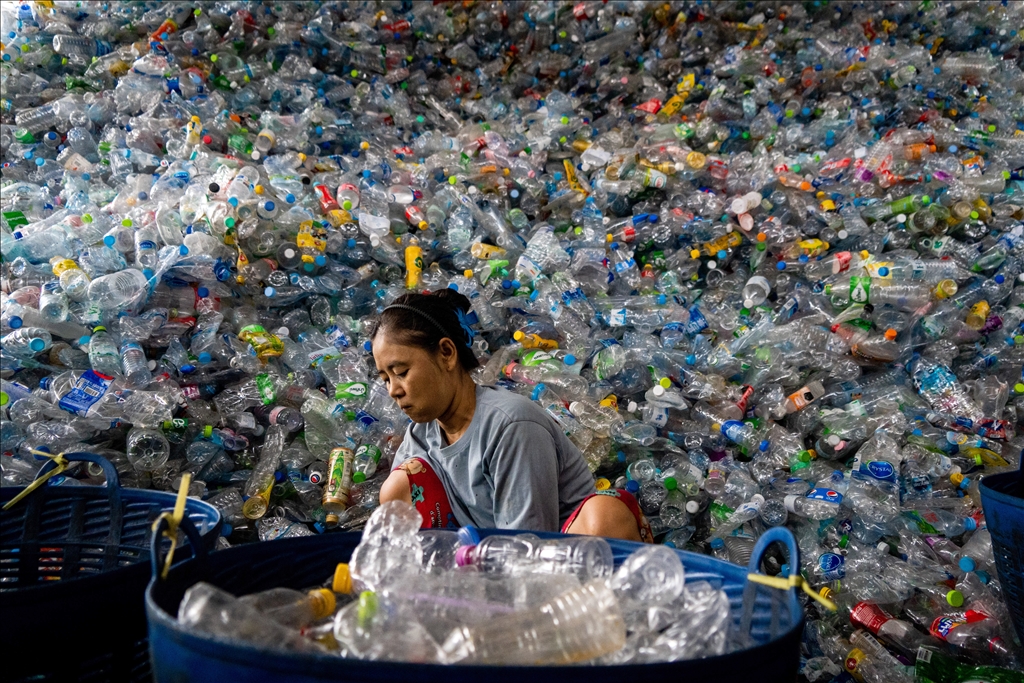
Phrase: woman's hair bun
pixel 453 298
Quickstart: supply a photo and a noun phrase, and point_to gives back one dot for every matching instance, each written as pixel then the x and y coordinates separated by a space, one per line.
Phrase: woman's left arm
pixel 524 471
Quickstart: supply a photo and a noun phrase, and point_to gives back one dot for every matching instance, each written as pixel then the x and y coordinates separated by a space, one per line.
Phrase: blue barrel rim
pixel 243 654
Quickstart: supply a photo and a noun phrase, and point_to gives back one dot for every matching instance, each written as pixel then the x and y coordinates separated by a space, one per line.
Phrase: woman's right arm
pixel 396 487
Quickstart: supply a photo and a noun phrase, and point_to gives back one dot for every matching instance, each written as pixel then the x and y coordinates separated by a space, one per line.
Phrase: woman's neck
pixel 457 418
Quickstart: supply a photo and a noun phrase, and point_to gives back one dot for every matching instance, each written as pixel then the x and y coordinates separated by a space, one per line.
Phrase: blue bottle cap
pixel 290 198
pixel 107 240
pixel 970 524
pixel 632 486
pixel 269 206
pixel 569 359
pixel 187 369
pixel 691 359
pixel 662 299
pixel 183 250
pixel 233 201
pixel 784 570
pixel 468 535
pixel 535 394
pixel 763 446
pixel 968 564
pixel 15 322
pixel 36 344
pixel 367 346
pixel 781 265
pixel 320 260
pixel 269 291
pixel 226 529
pixel 202 292
pixel 205 357
pixel 883 271
pixel 717 543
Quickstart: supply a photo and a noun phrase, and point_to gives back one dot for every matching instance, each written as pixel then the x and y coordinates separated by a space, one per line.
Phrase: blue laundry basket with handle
pixel 1002 498
pixel 179 655
pixel 73 570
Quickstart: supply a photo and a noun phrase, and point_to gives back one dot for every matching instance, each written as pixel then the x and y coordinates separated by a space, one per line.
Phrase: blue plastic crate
pixel 74 563
pixel 179 655
pixel 1002 497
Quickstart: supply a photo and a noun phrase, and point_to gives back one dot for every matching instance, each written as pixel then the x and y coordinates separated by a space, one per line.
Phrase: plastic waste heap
pixel 761 261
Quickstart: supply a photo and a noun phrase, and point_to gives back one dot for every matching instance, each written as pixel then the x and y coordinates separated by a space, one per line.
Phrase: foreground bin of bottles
pixel 581 579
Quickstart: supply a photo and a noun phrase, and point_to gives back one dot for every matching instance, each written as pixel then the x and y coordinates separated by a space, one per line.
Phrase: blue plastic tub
pixel 1002 497
pixel 179 656
pixel 74 563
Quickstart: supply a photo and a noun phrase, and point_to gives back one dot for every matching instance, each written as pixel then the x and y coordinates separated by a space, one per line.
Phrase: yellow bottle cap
pixel 467 273
pixel 694 254
pixel 665 382
pixel 323 603
pixel 825 592
pixel 518 335
pixel 602 484
pixel 342 579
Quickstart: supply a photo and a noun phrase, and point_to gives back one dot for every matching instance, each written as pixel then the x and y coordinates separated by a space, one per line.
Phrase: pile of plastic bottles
pixel 446 597
pixel 761 261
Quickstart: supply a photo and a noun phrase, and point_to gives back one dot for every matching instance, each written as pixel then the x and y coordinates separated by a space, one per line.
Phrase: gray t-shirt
pixel 514 468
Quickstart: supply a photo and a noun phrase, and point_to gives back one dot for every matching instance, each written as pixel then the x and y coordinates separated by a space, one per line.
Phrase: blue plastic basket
pixel 1002 497
pixel 73 570
pixel 179 656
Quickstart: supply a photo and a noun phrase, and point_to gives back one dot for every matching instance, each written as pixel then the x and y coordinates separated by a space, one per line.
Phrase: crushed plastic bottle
pixel 761 262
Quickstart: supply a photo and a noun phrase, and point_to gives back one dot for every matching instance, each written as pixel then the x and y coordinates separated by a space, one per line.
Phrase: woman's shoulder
pixel 508 407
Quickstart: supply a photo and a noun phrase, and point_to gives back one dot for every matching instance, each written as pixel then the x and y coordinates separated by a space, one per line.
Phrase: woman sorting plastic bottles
pixel 476 454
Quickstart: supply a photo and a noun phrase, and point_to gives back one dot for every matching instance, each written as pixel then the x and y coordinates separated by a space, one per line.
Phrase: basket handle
pixel 109 471
pixel 775 534
pixel 156 559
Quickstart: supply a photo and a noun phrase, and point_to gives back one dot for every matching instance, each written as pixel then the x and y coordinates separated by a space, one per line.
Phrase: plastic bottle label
pixel 879 469
pixel 733 430
pixel 698 323
pixel 337 337
pixel 316 358
pixel 860 289
pixel 869 616
pixel 617 317
pixel 368 451
pixel 350 390
pixel 659 417
pixel 941 627
pixel 265 386
pixel 89 389
pixel 830 566
pixel 825 494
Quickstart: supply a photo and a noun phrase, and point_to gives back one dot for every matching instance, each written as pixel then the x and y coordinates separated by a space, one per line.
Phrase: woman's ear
pixel 449 355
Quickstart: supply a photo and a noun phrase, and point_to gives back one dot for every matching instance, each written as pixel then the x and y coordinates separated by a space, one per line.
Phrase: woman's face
pixel 420 382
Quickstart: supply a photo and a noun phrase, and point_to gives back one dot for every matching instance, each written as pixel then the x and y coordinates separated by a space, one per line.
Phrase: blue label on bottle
pixel 732 429
pixel 89 389
pixel 831 567
pixel 825 494
pixel 337 337
pixel 698 323
pixel 880 470
pixel 365 418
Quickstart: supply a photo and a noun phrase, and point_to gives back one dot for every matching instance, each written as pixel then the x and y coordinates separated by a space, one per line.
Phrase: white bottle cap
pixel 790 502
pixel 658 390
pixel 631 407
pixel 692 507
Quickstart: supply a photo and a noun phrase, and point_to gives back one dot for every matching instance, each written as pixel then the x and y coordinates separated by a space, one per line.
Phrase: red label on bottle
pixel 842 262
pixel 868 616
